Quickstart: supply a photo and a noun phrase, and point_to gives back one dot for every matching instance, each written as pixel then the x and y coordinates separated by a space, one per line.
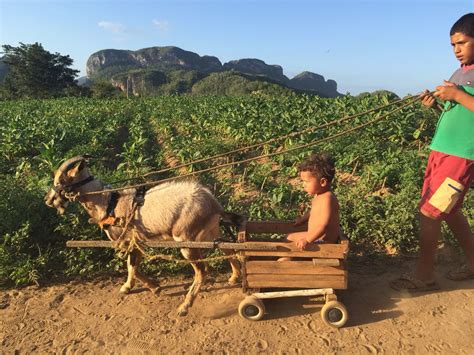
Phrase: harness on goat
pixel 110 219
pixel 62 189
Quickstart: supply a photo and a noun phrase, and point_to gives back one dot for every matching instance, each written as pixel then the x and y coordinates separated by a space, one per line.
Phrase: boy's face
pixel 463 47
pixel 312 184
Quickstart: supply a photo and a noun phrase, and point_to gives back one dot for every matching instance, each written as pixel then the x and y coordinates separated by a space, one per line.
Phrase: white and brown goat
pixel 183 211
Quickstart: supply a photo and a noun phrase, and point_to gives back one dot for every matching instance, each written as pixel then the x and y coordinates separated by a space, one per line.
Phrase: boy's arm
pixel 450 91
pixel 429 101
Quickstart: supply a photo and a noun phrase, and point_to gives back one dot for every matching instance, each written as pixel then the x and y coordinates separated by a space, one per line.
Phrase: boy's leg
pixel 459 225
pixel 430 230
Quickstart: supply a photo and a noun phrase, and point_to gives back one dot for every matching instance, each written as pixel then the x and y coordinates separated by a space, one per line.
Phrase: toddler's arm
pixel 322 210
pixel 302 219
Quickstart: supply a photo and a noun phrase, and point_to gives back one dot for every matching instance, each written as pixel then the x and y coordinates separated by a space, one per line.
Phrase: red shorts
pixel 447 179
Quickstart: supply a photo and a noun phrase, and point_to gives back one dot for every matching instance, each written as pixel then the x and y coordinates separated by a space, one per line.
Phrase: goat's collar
pixel 110 219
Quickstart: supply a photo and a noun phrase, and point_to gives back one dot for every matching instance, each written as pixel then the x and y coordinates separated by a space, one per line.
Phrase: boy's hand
pixel 428 99
pixel 302 243
pixel 447 92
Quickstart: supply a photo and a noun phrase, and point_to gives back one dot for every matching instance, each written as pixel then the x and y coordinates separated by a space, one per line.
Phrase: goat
pixel 183 211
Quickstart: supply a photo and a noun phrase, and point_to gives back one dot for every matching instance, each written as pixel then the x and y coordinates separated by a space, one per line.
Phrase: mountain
pixel 110 61
pixel 172 70
pixel 311 81
pixel 84 81
pixel 257 67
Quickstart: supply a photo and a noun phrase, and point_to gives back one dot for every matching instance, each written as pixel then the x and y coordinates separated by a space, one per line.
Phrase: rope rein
pixel 273 140
pixel 411 100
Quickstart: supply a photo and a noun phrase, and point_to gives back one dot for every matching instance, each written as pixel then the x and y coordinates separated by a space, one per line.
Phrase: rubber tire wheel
pixel 251 308
pixel 334 314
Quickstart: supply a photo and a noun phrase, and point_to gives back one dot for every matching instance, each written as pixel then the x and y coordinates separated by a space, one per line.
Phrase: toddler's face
pixel 312 184
pixel 463 47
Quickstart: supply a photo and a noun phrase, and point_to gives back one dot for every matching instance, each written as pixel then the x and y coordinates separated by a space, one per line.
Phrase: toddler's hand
pixel 302 243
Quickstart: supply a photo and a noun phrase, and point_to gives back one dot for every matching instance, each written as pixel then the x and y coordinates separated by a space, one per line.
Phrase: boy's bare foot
pixel 463 273
pixel 411 284
pixel 284 259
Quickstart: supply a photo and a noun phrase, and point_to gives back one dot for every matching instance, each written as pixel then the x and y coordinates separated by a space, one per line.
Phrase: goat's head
pixel 71 175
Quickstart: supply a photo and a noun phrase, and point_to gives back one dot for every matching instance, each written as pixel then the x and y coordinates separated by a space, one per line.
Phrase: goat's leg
pixel 199 276
pixel 235 265
pixel 133 259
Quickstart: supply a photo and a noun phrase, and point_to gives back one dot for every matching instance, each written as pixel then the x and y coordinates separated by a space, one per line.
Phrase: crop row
pixel 379 168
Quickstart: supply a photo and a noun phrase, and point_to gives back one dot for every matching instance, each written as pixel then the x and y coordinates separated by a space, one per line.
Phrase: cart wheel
pixel 335 314
pixel 251 308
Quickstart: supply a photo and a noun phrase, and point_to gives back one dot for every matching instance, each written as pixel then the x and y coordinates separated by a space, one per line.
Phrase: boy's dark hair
pixel 464 25
pixel 320 164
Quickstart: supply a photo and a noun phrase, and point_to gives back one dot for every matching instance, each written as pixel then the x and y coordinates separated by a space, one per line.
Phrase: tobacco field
pixel 380 168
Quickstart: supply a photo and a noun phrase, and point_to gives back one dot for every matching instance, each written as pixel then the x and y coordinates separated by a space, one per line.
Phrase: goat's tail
pixel 233 218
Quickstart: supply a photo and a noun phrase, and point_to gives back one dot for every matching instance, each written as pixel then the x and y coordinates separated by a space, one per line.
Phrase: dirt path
pixel 92 317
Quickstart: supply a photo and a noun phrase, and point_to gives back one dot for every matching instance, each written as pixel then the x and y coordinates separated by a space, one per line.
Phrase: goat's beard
pixel 56 201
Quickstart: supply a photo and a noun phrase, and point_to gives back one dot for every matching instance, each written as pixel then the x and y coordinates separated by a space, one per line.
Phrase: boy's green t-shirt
pixel 454 133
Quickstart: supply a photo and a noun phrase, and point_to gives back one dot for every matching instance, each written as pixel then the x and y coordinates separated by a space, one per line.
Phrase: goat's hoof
pixel 233 280
pixel 182 311
pixel 155 290
pixel 125 290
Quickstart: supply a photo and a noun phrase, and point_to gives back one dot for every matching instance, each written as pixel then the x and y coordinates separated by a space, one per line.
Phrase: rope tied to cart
pixel 410 101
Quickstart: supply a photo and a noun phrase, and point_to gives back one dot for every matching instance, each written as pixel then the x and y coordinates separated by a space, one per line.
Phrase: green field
pixel 380 168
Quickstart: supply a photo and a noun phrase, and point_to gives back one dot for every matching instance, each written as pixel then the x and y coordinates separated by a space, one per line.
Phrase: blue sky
pixel 397 45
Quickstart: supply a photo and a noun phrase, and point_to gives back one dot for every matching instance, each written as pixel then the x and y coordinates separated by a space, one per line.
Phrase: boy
pixel 450 168
pixel 317 174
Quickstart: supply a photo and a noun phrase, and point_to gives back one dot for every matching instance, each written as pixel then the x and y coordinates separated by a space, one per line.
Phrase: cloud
pixel 112 27
pixel 162 26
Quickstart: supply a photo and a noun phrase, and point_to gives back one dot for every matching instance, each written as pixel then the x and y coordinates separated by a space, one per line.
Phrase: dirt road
pixel 91 317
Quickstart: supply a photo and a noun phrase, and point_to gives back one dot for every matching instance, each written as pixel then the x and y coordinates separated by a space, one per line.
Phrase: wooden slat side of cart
pixel 319 266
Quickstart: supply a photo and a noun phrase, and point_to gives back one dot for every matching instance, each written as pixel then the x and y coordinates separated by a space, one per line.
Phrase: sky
pixel 364 45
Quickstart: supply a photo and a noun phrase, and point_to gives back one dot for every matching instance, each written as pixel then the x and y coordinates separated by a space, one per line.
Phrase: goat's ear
pixel 76 169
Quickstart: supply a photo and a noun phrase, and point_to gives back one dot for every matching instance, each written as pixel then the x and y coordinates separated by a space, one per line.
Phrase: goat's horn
pixel 68 164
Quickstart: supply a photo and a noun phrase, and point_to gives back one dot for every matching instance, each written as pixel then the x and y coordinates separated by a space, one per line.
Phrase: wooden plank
pixel 173 244
pixel 292 277
pixel 327 262
pixel 339 249
pixel 295 293
pixel 328 251
pixel 291 267
pixel 289 254
pixel 279 227
pixel 297 281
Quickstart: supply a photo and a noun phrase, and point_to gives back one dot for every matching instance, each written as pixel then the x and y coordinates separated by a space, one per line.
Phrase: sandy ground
pixel 91 317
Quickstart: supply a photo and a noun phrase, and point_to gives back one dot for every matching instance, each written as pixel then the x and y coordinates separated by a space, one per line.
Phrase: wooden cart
pixel 319 270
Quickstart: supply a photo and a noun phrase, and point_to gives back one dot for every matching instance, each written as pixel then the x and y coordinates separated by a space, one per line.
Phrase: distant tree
pixel 104 89
pixel 34 72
